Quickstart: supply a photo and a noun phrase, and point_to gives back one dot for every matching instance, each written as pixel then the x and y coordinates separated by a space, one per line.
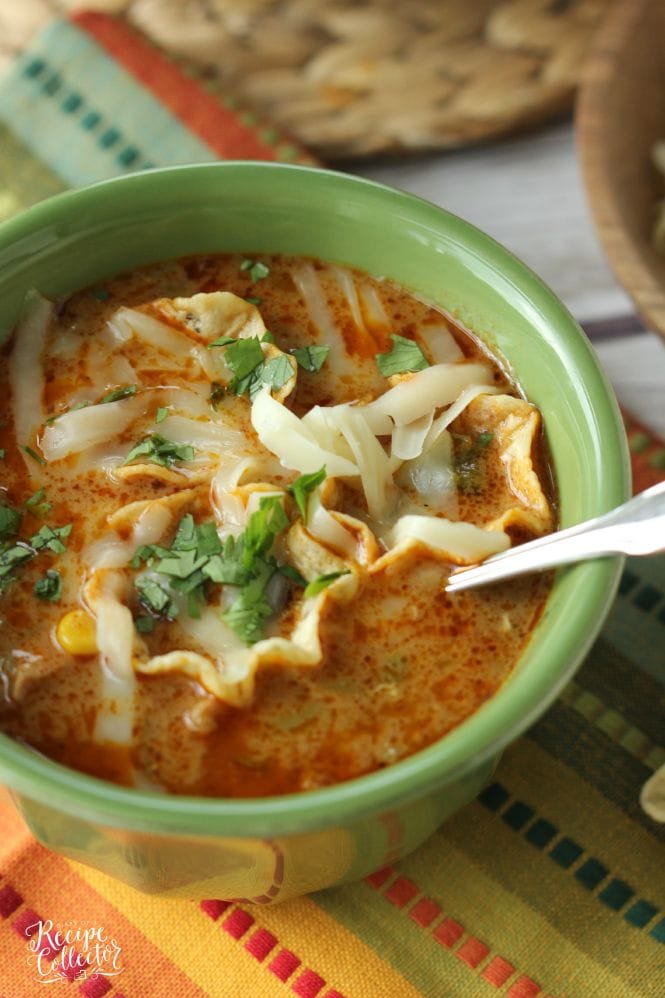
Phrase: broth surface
pixel 402 662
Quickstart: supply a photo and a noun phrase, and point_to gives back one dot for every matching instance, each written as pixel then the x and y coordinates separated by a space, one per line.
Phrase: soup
pixel 233 490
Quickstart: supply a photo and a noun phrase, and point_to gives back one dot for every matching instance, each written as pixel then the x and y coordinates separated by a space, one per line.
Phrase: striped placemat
pixel 549 884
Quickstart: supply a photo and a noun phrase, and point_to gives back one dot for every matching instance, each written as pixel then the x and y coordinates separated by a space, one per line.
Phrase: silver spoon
pixel 637 527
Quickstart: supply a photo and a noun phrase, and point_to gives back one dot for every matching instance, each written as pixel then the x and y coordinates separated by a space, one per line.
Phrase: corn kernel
pixel 76 633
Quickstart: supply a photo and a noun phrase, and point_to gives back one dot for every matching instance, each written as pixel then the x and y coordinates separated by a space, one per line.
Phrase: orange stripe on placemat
pixel 427 914
pixel 202 113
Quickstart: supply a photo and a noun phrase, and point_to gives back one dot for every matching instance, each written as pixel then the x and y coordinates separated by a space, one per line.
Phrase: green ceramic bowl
pixel 276 848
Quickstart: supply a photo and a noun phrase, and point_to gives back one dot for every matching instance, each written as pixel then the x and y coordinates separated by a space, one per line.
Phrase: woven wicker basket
pixel 356 77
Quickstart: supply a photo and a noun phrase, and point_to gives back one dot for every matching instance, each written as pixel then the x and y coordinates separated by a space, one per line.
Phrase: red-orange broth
pixel 403 663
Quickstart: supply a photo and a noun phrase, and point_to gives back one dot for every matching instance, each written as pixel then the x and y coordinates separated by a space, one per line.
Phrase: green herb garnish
pixel 253 301
pixel 468 465
pixel 156 598
pixel 49 587
pixel 38 504
pixel 158 450
pixel 2 453
pixel 11 556
pixel 221 341
pixel 249 612
pixel 311 359
pixel 117 394
pixel 161 413
pixel 268 337
pixel 10 521
pixel 197 559
pixel 257 270
pixel 302 487
pixel 276 372
pixel 316 586
pixel 33 454
pixel 403 356
pixel 145 625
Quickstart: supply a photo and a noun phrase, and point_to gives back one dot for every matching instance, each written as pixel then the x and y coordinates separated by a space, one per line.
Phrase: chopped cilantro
pixel 262 528
pixel 468 463
pixel 276 372
pixel 11 556
pixel 404 355
pixel 289 572
pixel 303 485
pixel 117 394
pixel 253 301
pixel 161 413
pixel 51 538
pixel 221 341
pixel 2 453
pixel 49 587
pixel 268 337
pixel 158 450
pixel 38 504
pixel 145 625
pixel 248 614
pixel 316 586
pixel 198 558
pixel 244 356
pixel 10 521
pixel 101 294
pixel 217 393
pixel 257 270
pixel 311 359
pixel 33 454
pixel 156 598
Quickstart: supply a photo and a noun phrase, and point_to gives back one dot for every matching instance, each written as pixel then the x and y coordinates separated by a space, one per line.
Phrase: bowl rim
pixel 498 722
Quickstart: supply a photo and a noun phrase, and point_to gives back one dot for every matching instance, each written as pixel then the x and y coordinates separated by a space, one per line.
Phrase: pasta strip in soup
pixel 233 489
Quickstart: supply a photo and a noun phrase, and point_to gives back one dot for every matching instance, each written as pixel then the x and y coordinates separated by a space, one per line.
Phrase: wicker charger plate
pixel 357 77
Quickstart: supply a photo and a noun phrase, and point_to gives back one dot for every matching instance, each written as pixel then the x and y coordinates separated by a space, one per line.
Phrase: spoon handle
pixel 637 528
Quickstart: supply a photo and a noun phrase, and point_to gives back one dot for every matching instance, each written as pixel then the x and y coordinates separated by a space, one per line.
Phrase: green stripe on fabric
pixel 24 179
pixel 615 676
pixel 80 112
pixel 594 756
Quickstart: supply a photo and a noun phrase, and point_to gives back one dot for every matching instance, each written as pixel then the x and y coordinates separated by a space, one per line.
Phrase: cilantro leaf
pixel 276 372
pixel 51 538
pixel 217 393
pixel 404 355
pixel 303 485
pixel 268 337
pixel 312 358
pixel 49 587
pixel 33 454
pixel 117 394
pixel 10 521
pixel 289 572
pixel 38 504
pixel 243 356
pixel 253 301
pixel 263 526
pixel 257 270
pixel 145 625
pixel 161 413
pixel 158 450
pixel 156 598
pixel 316 586
pixel 247 615
pixel 221 341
